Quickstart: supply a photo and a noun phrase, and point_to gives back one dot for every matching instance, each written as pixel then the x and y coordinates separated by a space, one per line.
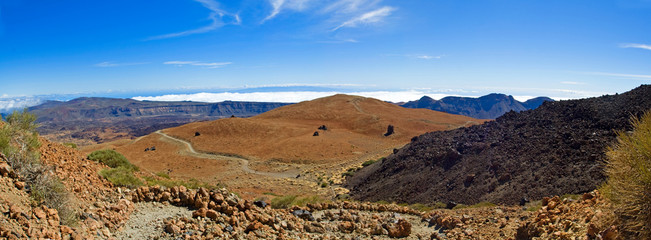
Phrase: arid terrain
pixel 277 152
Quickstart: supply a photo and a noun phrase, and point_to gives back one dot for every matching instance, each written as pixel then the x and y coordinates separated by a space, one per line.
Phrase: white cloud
pixel 290 97
pixel 367 18
pixel 427 57
pixel 197 63
pixel 635 45
pixel 217 17
pixel 10 104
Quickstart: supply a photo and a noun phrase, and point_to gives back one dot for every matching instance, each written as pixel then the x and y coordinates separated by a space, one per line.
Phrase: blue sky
pixel 558 48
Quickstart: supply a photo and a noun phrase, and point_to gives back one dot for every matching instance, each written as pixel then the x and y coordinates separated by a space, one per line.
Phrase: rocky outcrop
pixel 555 149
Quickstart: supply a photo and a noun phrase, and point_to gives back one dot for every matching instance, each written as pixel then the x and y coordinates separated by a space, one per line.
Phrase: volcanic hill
pixel 355 126
pixel 555 149
pixel 96 120
pixel 490 106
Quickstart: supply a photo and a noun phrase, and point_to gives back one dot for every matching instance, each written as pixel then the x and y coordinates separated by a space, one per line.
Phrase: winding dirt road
pixel 188 150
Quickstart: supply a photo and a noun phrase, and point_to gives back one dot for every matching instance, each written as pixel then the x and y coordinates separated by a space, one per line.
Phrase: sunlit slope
pixel 355 127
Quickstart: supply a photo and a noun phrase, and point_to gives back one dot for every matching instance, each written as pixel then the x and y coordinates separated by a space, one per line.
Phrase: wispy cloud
pixel 280 5
pixel 217 17
pixel 635 45
pixel 427 57
pixel 367 18
pixel 115 64
pixel 337 13
pixel 621 75
pixel 197 63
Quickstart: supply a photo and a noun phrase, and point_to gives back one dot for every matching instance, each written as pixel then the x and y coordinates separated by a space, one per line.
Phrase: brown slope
pixel 355 127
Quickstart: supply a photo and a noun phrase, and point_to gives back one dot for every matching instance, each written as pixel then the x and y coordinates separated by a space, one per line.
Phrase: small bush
pixel 112 159
pixel 629 179
pixel 293 200
pixel 283 201
pixel 324 184
pixel 163 175
pixel 421 207
pixel 121 176
pixel 369 162
pixel 70 145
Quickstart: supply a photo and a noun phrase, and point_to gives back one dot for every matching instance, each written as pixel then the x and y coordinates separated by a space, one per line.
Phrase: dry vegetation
pixel 629 179
pixel 19 144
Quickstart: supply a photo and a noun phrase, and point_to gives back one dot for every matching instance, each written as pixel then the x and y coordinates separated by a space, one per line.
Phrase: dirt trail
pixel 147 221
pixel 188 150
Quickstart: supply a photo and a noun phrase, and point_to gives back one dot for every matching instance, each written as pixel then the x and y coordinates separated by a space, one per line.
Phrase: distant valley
pixel 95 120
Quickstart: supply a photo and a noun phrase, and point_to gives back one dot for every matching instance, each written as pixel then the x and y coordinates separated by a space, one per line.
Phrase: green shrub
pixel 70 145
pixel 112 159
pixel 367 163
pixel 421 207
pixel 629 179
pixel 293 200
pixel 163 175
pixel 121 176
pixel 324 184
pixel 282 201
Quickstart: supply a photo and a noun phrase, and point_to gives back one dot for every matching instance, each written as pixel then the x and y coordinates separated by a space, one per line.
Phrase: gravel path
pixel 146 222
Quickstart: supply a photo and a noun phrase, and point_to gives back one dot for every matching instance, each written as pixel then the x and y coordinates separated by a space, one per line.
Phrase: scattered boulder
pixel 323 127
pixel 400 229
pixel 315 134
pixel 260 204
pixel 389 131
pixel 303 214
pixel 196 134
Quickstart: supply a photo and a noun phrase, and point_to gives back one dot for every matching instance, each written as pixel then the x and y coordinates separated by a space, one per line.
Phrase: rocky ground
pixel 108 212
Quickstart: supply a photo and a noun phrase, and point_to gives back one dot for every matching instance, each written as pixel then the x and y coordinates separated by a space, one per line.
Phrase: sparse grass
pixel 111 158
pixel 70 145
pixel 282 202
pixel 121 176
pixel 421 207
pixel 163 175
pixel 477 205
pixel 629 179
pixel 369 162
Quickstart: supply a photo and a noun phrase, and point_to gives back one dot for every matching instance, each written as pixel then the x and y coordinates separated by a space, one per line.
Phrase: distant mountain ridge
pixel 103 119
pixel 490 106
